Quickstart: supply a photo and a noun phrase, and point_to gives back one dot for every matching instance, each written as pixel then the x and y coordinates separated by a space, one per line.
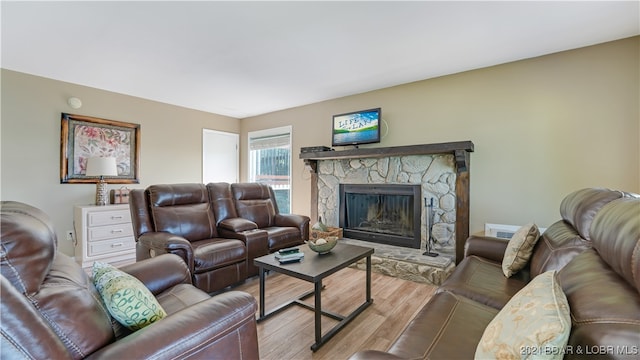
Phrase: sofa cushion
pixel 162 195
pixel 126 297
pixel 50 283
pixel 482 280
pixel 192 222
pixel 222 201
pixel 519 249
pixel 615 233
pixel 25 333
pixel 28 245
pixel 565 239
pixel 283 237
pixel 180 297
pixel 215 253
pixel 183 210
pixel 556 247
pixel 260 212
pixel 581 206
pixel 534 322
pixel 255 202
pixel 605 308
pixel 447 327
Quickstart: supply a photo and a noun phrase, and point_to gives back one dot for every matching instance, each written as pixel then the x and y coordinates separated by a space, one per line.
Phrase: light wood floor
pixel 289 334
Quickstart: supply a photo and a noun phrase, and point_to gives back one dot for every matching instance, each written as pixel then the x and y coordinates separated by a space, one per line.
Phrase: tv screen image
pixel 354 128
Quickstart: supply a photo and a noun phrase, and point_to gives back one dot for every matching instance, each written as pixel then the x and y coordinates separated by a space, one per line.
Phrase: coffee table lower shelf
pixel 307 272
pixel 343 320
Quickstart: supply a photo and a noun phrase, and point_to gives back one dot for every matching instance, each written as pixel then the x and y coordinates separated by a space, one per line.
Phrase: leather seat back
pixel 17 340
pixel 53 286
pixel 580 207
pixel 565 239
pixel 222 201
pixel 182 209
pixel 255 202
pixel 615 233
pixel 601 285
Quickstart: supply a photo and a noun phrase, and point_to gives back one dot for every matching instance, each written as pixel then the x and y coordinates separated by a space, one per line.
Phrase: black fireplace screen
pixel 388 213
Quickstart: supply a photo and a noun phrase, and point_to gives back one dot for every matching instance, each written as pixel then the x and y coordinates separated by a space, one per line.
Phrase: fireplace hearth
pixel 381 213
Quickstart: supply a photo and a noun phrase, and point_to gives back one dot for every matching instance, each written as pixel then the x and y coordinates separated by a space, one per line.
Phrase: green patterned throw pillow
pixel 534 324
pixel 519 249
pixel 126 297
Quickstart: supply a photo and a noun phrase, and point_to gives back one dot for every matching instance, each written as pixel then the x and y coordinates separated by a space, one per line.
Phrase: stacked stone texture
pixel 435 173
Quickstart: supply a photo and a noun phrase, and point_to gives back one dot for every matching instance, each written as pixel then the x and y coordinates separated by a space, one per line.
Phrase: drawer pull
pixel 116 231
pixel 117 245
pixel 117 217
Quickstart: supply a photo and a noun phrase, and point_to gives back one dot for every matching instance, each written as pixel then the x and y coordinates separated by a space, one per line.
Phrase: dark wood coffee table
pixel 313 268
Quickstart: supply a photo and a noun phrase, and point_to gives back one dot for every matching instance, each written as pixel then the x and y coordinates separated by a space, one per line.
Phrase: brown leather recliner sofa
pixel 51 310
pixel 202 224
pixel 595 250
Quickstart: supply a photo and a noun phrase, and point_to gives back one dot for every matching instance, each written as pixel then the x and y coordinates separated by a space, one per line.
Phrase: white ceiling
pixel 248 58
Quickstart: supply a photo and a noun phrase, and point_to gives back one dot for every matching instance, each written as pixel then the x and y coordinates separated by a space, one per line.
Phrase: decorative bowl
pixel 324 246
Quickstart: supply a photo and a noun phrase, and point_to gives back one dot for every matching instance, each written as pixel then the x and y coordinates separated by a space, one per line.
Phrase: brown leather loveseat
pixel 50 308
pixel 218 235
pixel 595 251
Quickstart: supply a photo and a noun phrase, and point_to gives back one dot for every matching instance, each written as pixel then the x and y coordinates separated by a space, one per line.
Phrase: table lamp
pixel 101 166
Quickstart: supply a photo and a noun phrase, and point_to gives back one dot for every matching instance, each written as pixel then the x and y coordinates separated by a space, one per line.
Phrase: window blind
pixel 269 142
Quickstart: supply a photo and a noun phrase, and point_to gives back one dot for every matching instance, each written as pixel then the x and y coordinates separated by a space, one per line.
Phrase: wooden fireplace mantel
pixel 460 150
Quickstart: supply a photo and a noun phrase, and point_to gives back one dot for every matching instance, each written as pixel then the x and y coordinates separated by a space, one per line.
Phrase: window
pixel 270 163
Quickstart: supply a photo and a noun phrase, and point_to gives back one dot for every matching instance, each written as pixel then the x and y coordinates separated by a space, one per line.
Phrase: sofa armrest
pixel 237 224
pixel 292 220
pixel 222 327
pixel 256 240
pixel 487 247
pixel 160 273
pixel 167 243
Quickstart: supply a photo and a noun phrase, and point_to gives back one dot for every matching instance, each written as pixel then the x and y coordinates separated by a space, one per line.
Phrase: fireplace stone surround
pixel 443 172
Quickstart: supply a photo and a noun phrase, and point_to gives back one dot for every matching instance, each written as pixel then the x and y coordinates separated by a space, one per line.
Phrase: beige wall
pixel 542 128
pixel 170 146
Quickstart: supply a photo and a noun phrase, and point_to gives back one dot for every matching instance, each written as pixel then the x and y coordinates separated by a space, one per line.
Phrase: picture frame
pixel 82 137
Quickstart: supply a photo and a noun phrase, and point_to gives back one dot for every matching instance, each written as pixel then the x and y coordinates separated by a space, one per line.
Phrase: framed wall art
pixel 82 137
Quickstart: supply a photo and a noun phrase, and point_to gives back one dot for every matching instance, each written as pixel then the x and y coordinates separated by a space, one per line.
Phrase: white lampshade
pixel 101 166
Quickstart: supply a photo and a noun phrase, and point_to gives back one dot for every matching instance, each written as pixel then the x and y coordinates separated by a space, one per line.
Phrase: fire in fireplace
pixel 381 213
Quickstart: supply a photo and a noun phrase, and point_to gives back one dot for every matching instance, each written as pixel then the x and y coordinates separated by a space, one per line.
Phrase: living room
pixel 542 127
pixel 537 123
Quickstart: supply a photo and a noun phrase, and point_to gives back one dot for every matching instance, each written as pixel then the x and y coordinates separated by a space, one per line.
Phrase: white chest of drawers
pixel 103 233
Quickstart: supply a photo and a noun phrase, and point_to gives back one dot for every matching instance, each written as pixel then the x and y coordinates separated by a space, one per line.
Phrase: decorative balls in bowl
pixel 323 245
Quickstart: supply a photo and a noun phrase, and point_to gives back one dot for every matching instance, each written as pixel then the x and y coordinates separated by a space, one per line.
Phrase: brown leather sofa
pixel 595 249
pixel 51 310
pixel 200 223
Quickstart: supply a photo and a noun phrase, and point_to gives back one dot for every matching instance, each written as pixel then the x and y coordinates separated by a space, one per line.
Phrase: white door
pixel 220 158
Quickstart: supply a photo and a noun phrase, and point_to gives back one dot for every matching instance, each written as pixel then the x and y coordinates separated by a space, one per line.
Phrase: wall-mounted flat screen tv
pixel 355 128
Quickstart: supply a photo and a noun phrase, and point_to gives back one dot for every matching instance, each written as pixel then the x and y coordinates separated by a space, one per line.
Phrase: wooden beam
pixel 462 160
pixel 424 149
pixel 312 167
pixel 462 210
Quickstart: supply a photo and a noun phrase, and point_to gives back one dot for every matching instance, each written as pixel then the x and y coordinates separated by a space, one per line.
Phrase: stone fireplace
pixel 433 174
pixel 381 213
pixel 438 174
